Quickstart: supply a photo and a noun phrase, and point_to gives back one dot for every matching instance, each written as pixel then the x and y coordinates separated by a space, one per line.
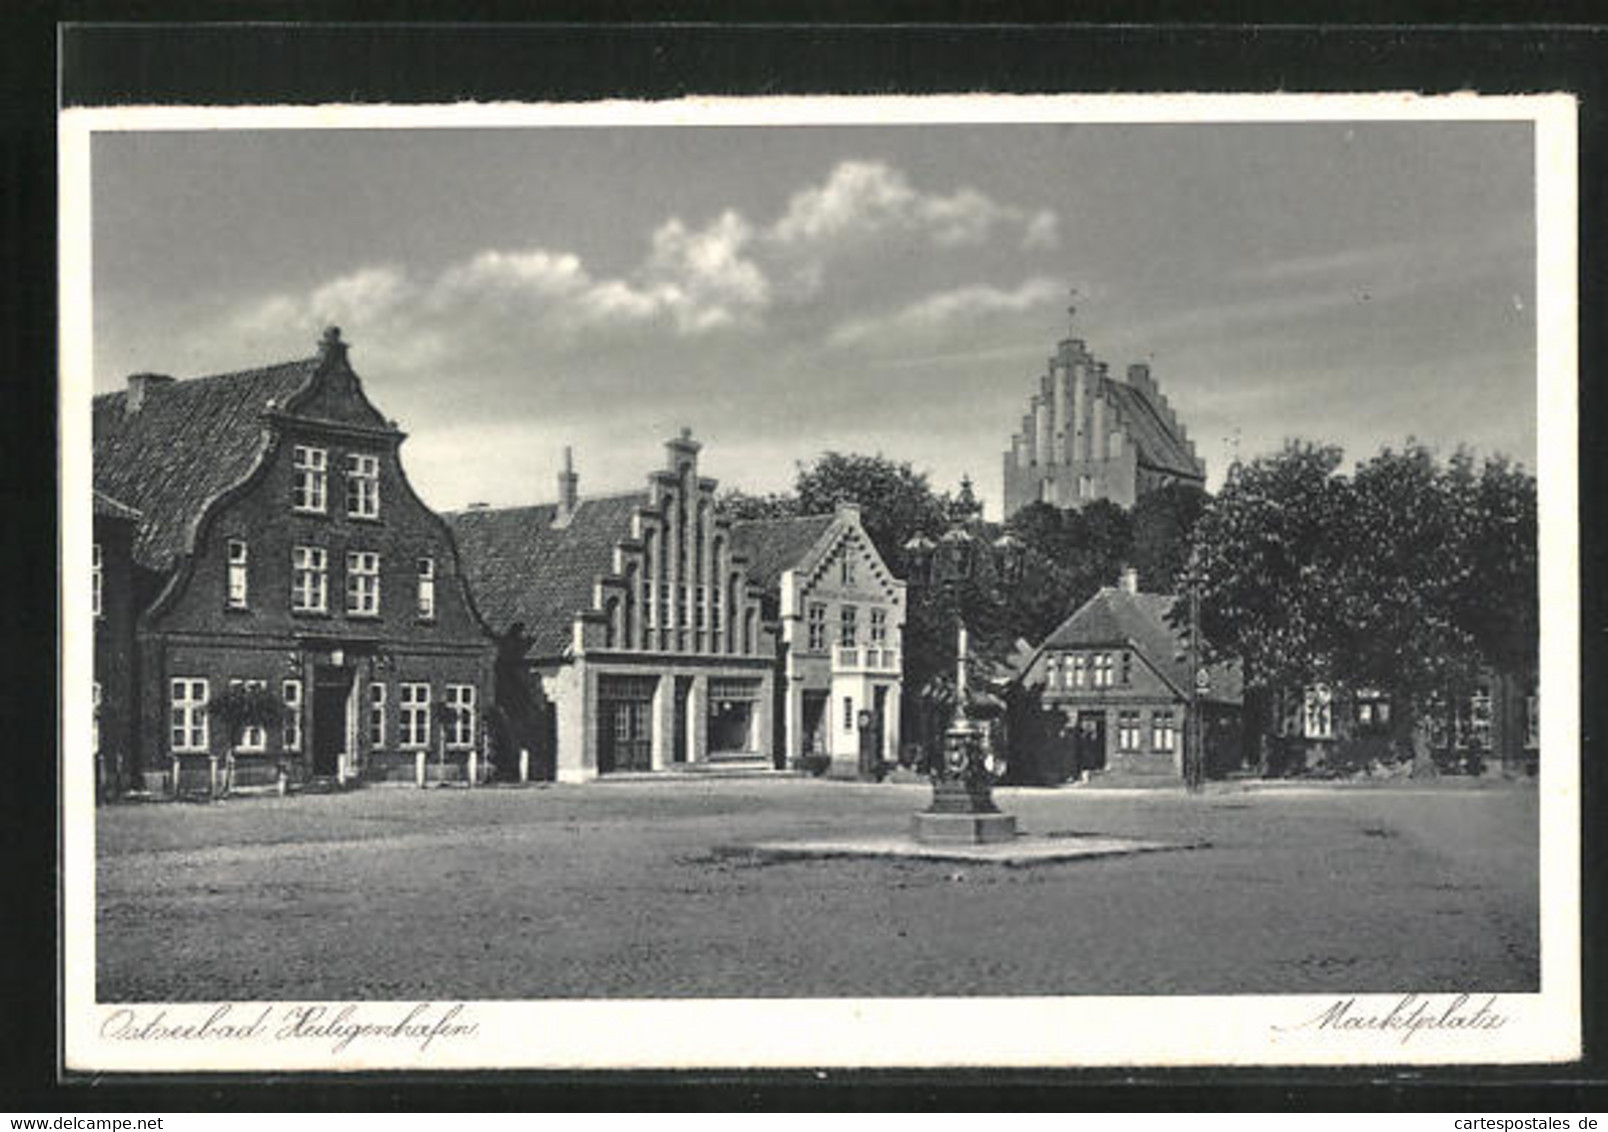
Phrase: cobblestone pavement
pixel 641 890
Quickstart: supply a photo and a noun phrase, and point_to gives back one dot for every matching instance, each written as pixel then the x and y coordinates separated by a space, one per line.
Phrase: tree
pixel 896 502
pixel 238 707
pixel 1163 522
pixel 736 504
pixel 1405 587
pixel 1269 547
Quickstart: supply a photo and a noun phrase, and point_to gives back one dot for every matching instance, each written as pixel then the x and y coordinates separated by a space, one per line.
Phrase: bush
pixel 1357 754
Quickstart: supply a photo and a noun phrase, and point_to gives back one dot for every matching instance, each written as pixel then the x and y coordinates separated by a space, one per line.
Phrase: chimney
pixel 478 505
pixel 1129 582
pixel 1139 375
pixel 567 481
pixel 139 385
pixel 848 511
pixel 330 345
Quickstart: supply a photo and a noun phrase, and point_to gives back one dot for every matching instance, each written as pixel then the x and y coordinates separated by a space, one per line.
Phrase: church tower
pixel 1087 435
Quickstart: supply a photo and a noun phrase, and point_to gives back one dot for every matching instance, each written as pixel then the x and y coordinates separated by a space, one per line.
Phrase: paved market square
pixel 652 889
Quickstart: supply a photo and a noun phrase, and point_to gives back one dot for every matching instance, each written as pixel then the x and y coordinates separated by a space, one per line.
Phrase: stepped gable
pixel 774 546
pixel 1116 618
pixel 522 568
pixel 168 448
pixel 1160 444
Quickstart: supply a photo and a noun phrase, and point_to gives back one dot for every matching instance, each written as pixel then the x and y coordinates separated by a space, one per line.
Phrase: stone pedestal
pixel 929 828
pixel 961 816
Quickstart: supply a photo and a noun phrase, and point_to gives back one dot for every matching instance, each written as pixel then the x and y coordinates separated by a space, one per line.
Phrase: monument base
pixel 931 828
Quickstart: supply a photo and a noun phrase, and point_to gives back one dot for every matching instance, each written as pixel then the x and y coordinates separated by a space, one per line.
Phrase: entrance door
pixel 331 688
pixel 678 734
pixel 814 723
pixel 879 722
pixel 1091 740
pixel 625 735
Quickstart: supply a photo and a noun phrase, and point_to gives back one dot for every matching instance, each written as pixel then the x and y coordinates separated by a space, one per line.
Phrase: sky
pixel 784 291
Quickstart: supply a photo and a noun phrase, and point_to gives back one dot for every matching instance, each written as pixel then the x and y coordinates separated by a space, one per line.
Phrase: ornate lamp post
pixel 962 808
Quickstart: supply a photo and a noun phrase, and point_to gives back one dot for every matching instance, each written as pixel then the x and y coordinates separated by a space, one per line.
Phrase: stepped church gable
pixel 631 621
pixel 275 543
pixel 1088 435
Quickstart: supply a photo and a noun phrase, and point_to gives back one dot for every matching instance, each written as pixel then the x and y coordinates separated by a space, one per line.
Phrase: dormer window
pixel 237 574
pixel 362 486
pixel 427 589
pixel 311 468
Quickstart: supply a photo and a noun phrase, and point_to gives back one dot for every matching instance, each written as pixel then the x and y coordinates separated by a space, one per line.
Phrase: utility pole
pixel 1194 760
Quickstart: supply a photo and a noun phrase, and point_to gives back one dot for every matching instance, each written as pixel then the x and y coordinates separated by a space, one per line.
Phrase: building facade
pixel 281 547
pixel 1494 726
pixel 634 618
pixel 1109 690
pixel 112 598
pixel 839 616
pixel 1087 435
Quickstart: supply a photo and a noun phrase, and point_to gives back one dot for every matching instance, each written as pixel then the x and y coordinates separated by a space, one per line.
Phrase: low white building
pixel 839 615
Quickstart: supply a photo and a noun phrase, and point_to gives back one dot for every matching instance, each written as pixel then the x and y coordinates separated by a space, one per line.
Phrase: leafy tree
pixel 1163 523
pixel 896 502
pixel 238 707
pixel 1269 548
pixel 1411 531
pixel 736 504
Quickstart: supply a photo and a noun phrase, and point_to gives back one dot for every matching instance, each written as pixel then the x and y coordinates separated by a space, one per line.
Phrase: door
pixel 331 688
pixel 1091 740
pixel 625 737
pixel 879 721
pixel 814 723
pixel 678 731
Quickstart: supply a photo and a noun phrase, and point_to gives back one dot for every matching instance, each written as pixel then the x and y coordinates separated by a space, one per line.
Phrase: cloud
pixel 863 199
pixel 948 311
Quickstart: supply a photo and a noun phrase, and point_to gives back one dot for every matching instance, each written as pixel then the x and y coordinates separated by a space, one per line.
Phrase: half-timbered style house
pixel 277 544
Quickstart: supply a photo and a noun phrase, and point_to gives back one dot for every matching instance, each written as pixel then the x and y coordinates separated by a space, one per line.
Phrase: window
pixel 715 604
pixel 848 627
pixel 684 608
pixel 846 568
pixel 1317 713
pixel 362 486
pixel 376 717
pixel 291 693
pixel 1127 731
pixel 460 723
pixel 363 583
pixel 1479 718
pixel 311 470
pixel 187 718
pixel 413 705
pixel 1080 670
pixel 237 573
pixel 817 627
pixel 309 579
pixel 848 713
pixel 879 627
pixel 94 716
pixel 95 579
pixel 1127 668
pixel 1532 720
pixel 426 589
pixel 1163 731
pixel 1102 670
pixel 253 739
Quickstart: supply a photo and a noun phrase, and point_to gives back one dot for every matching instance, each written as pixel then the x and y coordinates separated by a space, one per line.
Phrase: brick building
pixel 1088 435
pixel 635 621
pixel 278 543
pixel 112 601
pixel 1109 689
pixel 839 616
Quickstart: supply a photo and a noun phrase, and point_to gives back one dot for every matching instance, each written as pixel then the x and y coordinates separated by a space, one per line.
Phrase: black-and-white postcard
pixel 820 582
